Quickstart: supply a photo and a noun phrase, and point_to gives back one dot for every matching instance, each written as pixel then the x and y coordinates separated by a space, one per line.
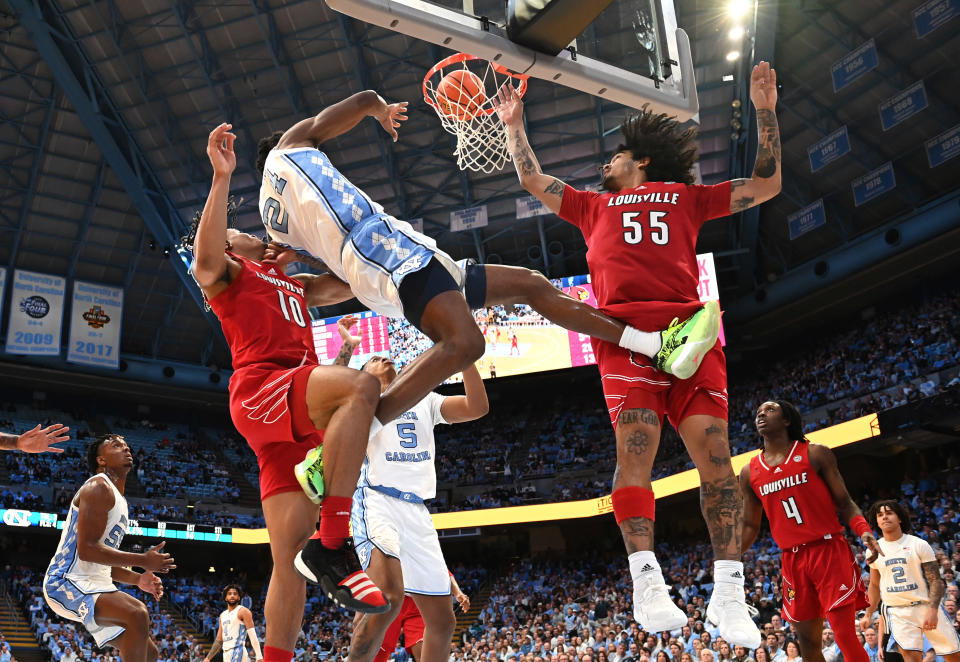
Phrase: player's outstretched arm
pixel 752 511
pixel 470 406
pixel 766 180
pixel 341 117
pixel 324 289
pixel 547 189
pixel 873 595
pixel 36 440
pixel 212 267
pixel 246 617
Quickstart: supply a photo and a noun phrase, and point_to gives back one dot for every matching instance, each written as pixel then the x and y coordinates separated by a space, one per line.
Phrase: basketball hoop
pixel 469 113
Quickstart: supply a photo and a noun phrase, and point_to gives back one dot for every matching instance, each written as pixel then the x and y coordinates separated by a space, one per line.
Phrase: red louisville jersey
pixel 797 501
pixel 642 246
pixel 264 317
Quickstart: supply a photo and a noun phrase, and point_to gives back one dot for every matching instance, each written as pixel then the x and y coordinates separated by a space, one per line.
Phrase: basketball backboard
pixel 627 62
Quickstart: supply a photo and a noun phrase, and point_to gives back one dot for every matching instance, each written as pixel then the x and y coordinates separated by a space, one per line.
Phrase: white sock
pixel 728 576
pixel 644 568
pixel 375 427
pixel 647 343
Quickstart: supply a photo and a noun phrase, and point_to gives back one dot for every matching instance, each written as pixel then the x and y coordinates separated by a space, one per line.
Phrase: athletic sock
pixel 274 654
pixel 644 568
pixel 647 343
pixel 728 577
pixel 334 521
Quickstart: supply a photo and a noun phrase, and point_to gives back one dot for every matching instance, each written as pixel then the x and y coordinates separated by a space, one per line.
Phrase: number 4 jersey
pixel 797 501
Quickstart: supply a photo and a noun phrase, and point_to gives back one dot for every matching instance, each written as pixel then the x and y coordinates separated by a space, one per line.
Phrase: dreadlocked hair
pixel 672 151
pixel 233 210
pixel 263 149
pixel 793 418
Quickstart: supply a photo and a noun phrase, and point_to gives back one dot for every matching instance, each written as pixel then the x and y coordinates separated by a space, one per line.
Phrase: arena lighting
pixel 727 78
pixel 834 436
pixel 736 32
pixel 737 9
pixel 733 55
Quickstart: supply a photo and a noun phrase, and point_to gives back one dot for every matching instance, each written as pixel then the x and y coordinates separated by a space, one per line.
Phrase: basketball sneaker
pixel 731 616
pixel 684 344
pixel 339 574
pixel 653 608
pixel 309 473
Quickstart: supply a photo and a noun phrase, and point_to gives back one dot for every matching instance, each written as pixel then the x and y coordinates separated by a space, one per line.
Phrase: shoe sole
pixel 752 644
pixel 339 594
pixel 650 627
pixel 692 353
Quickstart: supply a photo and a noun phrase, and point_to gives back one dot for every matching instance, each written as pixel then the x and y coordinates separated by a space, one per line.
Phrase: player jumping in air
pixel 235 627
pixel 79 583
pixel 285 405
pixel 800 488
pixel 308 205
pixel 641 236
pixel 907 579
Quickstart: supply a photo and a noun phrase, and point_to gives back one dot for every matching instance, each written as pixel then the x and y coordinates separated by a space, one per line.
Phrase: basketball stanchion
pixel 462 89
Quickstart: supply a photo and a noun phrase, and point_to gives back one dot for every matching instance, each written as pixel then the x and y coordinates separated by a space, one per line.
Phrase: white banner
pixel 95 317
pixel 529 206
pixel 708 287
pixel 468 219
pixel 36 313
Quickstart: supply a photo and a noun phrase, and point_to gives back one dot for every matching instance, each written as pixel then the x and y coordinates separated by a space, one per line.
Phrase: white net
pixel 467 112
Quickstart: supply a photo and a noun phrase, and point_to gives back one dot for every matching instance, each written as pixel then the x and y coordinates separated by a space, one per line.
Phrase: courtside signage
pixel 17 518
pixel 853 65
pixel 36 314
pixel 808 218
pixel 905 104
pixel 939 149
pixel 931 15
pixel 873 184
pixel 468 219
pixel 95 325
pixel 829 149
pixel 529 206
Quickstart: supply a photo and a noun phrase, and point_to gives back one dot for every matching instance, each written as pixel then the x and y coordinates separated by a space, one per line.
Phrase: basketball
pixel 460 94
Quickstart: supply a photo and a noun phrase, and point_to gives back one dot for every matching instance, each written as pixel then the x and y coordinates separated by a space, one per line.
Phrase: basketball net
pixel 481 138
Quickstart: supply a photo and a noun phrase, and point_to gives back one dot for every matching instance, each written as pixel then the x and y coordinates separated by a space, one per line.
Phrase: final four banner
pixel 95 324
pixel 36 313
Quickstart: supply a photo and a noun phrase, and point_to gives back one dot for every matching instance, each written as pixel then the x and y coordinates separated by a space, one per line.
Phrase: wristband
pixel 859 525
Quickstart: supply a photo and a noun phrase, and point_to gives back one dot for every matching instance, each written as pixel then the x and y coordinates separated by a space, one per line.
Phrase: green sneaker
pixel 310 474
pixel 686 343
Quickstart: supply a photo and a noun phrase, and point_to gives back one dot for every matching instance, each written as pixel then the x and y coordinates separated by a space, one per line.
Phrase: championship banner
pixel 905 104
pixel 854 65
pixel 36 314
pixel 95 319
pixel 529 206
pixel 468 219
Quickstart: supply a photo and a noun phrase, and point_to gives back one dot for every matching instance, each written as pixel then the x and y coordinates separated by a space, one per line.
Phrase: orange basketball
pixel 460 94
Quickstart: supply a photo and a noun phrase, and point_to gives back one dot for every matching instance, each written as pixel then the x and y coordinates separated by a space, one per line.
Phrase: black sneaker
pixel 339 574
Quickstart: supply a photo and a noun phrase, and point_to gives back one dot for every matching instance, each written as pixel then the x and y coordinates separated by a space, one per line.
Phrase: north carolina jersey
pixel 264 317
pixel 796 500
pixel 901 575
pixel 641 246
pixel 234 634
pixel 400 457
pixel 66 562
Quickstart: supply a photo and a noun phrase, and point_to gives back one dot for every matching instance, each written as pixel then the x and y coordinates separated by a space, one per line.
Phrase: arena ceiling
pixel 105 106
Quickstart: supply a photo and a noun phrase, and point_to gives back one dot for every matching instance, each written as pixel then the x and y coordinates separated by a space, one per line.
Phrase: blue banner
pixel 829 149
pixel 905 104
pixel 853 65
pixel 944 147
pixel 873 184
pixel 808 218
pixel 931 15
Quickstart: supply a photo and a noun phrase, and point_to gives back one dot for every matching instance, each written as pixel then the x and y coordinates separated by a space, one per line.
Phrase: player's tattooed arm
pixel 935 584
pixel 350 341
pixel 752 511
pixel 766 180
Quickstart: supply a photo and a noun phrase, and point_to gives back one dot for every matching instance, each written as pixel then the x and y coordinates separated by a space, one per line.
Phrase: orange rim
pixel 463 57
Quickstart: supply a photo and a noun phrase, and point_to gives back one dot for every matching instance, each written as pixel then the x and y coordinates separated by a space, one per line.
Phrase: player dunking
pixel 307 204
pixel 79 582
pixel 800 488
pixel 236 626
pixel 392 528
pixel 907 579
pixel 285 405
pixel 641 236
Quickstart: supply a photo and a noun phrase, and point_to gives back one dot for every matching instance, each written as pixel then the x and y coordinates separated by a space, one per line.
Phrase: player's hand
pixel 763 86
pixel 281 255
pixel 390 116
pixel 866 621
pixel 463 600
pixel 344 324
pixel 156 561
pixel 870 542
pixel 220 150
pixel 930 619
pixel 509 105
pixel 151 584
pixel 40 440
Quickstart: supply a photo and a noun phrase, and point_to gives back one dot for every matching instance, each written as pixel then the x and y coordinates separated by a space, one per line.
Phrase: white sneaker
pixel 654 610
pixel 731 616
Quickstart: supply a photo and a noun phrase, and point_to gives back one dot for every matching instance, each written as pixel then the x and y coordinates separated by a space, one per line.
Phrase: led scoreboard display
pixel 148 529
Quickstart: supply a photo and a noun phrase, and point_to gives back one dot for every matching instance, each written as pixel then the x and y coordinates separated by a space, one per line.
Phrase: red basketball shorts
pixel 410 622
pixel 268 406
pixel 819 577
pixel 631 382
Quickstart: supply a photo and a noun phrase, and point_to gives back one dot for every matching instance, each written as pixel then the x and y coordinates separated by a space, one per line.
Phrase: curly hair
pixel 235 587
pixel 905 525
pixel 793 418
pixel 233 209
pixel 263 149
pixel 93 450
pixel 672 151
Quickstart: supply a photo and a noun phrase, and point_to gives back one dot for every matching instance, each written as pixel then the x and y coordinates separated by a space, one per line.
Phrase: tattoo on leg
pixel 722 507
pixel 637 534
pixel 719 460
pixel 637 442
pixel 632 416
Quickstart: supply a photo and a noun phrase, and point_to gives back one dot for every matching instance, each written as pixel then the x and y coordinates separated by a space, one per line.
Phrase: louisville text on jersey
pixel 783 483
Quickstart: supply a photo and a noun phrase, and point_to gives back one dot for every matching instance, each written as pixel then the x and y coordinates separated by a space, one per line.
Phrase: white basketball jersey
pixel 901 577
pixel 401 455
pixel 234 635
pixel 66 562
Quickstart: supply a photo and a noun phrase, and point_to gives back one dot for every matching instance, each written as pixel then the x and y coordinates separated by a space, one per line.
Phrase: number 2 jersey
pixel 642 246
pixel 794 497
